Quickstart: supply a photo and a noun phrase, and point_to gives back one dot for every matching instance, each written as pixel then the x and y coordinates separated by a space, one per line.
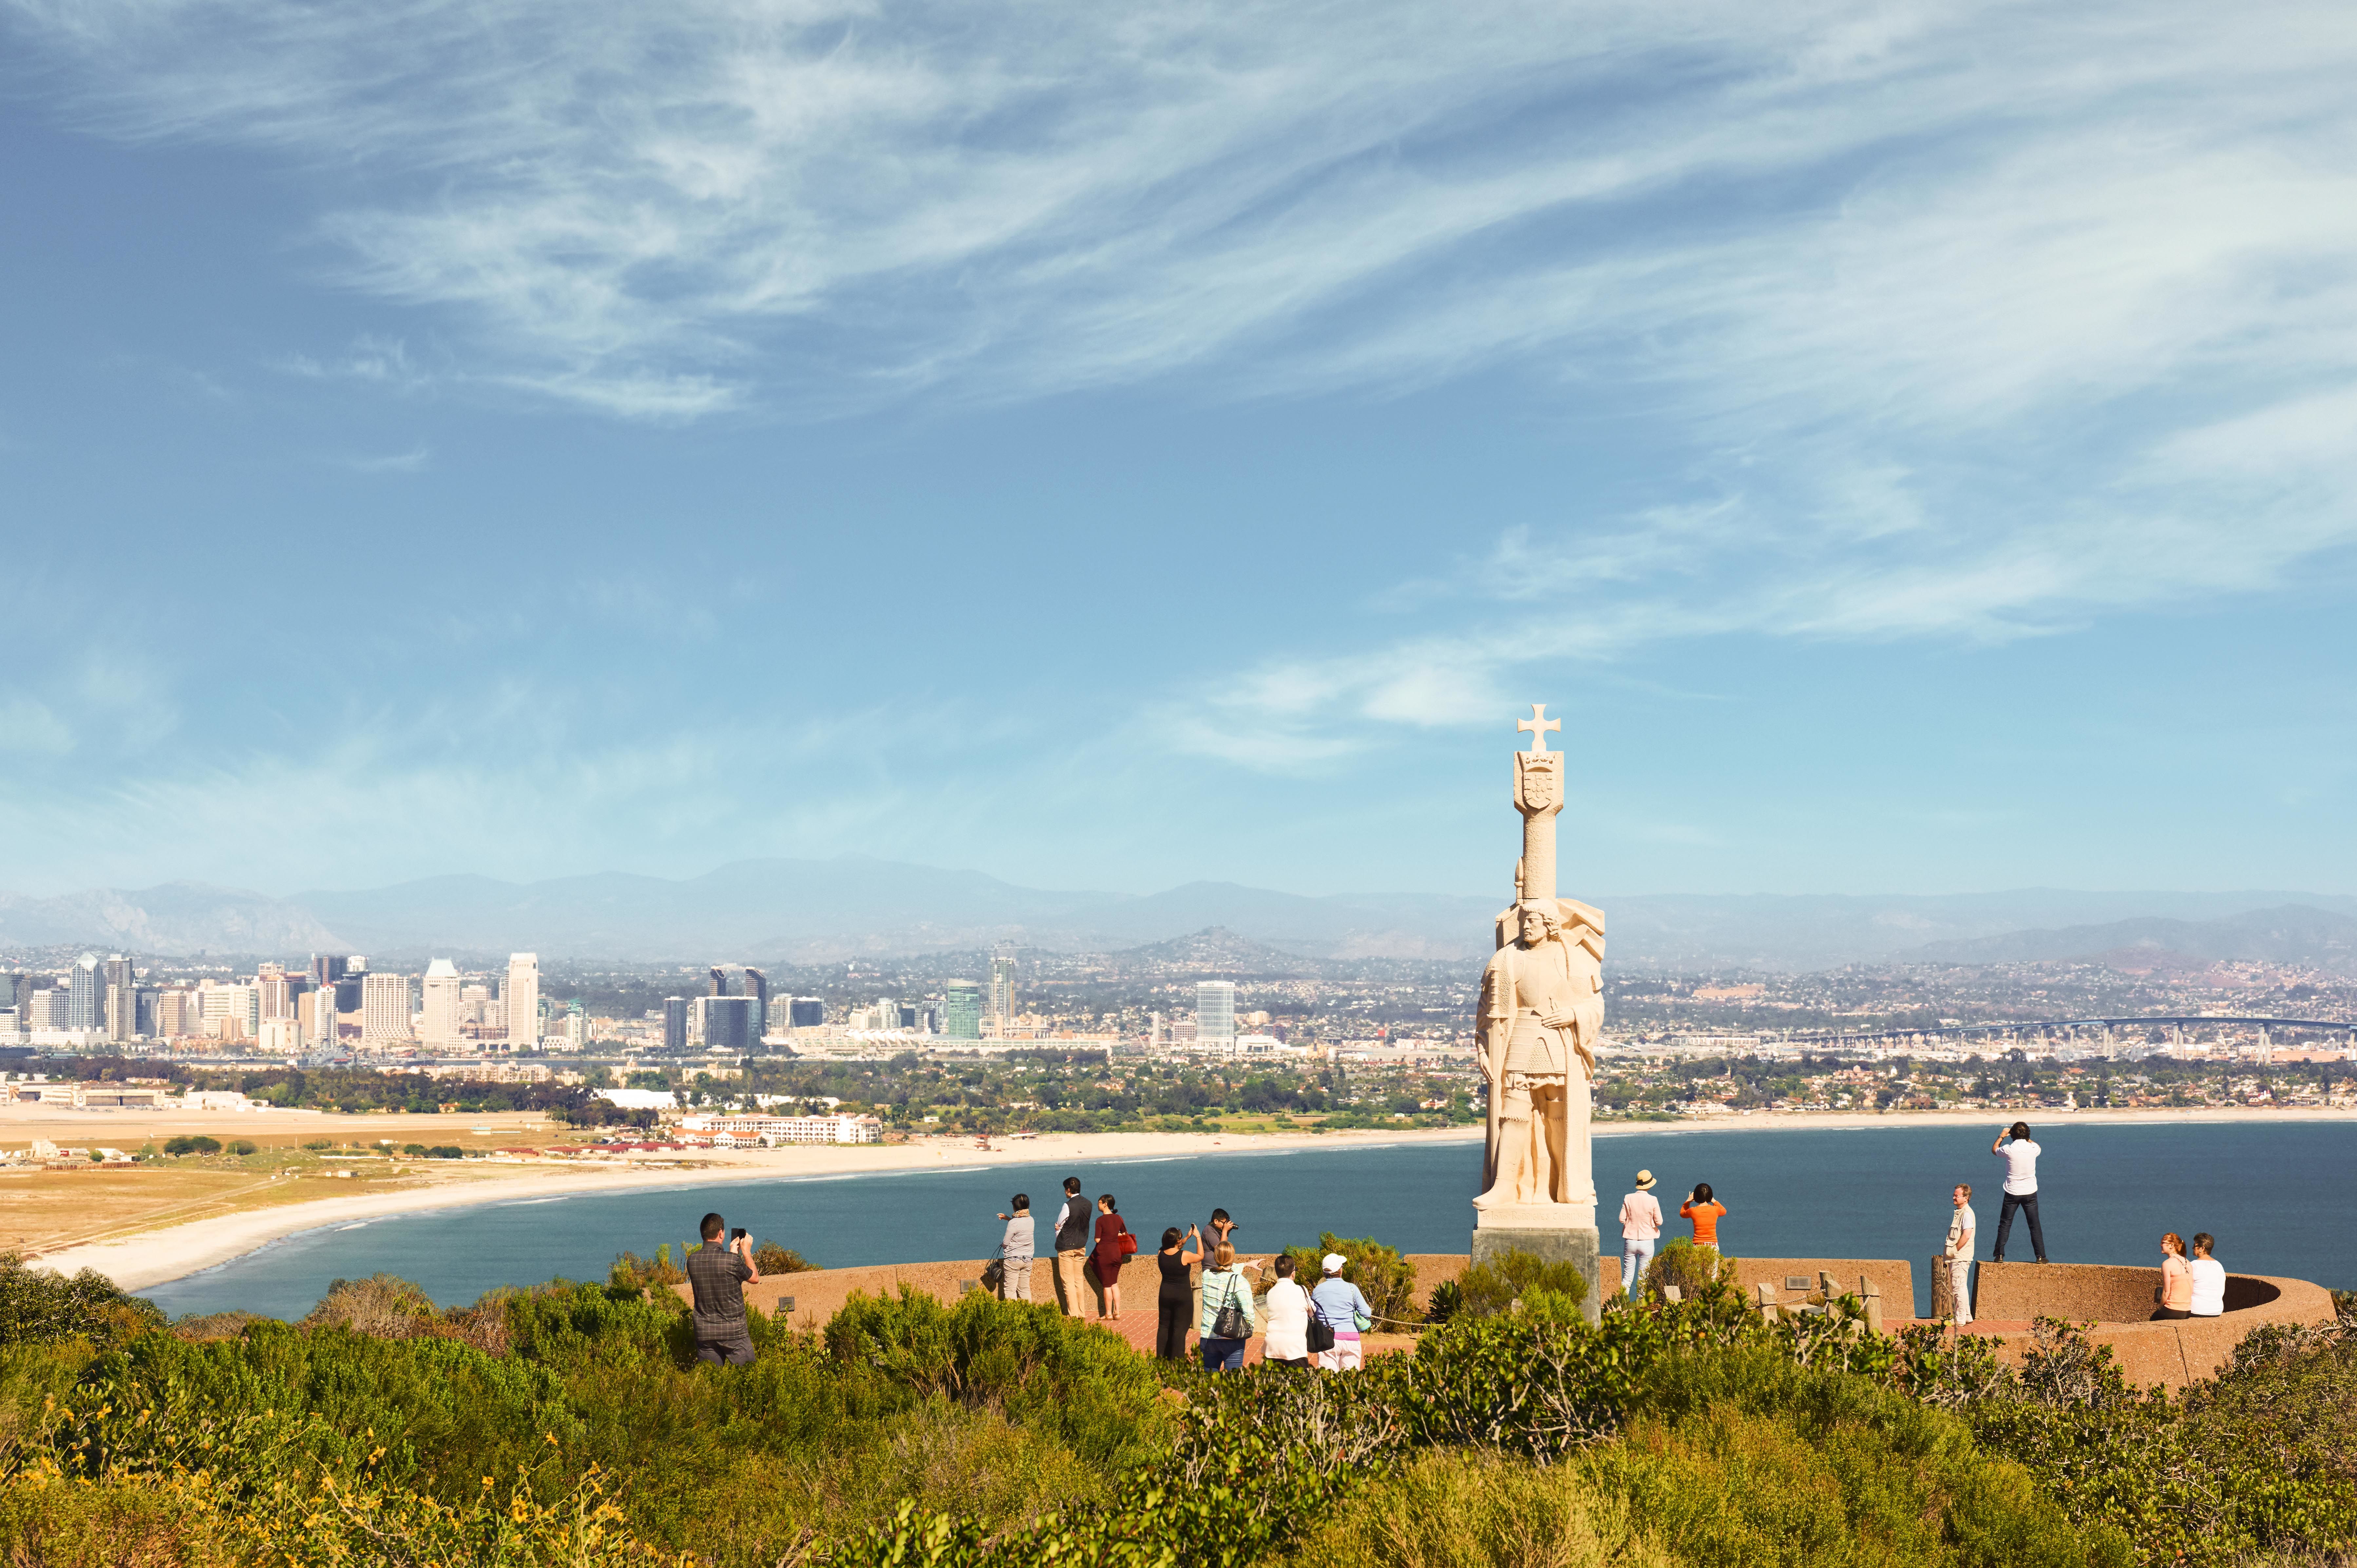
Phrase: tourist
pixel 1073 1249
pixel 2020 1156
pixel 1174 1301
pixel 2176 1280
pixel 1288 1330
pixel 1226 1296
pixel 1115 1244
pixel 2209 1279
pixel 1641 1230
pixel 1341 1308
pixel 1016 1250
pixel 1959 1251
pixel 1706 1211
pixel 718 1271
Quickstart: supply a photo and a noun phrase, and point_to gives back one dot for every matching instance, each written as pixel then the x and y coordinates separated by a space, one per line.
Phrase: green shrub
pixel 772 1259
pixel 414 1151
pixel 1457 1509
pixel 445 1152
pixel 40 1307
pixel 243 1147
pixel 1386 1279
pixel 1690 1268
pixel 186 1144
pixel 1524 1278
pixel 316 1144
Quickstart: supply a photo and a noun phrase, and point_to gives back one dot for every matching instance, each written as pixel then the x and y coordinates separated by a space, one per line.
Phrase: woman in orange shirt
pixel 1706 1212
pixel 2176 1279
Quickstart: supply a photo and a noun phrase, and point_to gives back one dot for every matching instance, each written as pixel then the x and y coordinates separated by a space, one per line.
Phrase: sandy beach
pixel 139 1259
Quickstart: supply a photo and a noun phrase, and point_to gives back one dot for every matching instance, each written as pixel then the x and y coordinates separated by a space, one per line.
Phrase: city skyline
pixel 1910 453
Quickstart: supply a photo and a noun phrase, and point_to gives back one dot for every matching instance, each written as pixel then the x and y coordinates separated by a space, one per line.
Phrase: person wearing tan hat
pixel 1640 1231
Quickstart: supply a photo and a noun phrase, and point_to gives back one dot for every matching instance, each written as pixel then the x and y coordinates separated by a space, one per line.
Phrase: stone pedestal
pixel 1578 1244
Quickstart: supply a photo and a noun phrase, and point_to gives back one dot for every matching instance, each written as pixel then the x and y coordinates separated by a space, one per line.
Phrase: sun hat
pixel 1336 1262
pixel 1644 1180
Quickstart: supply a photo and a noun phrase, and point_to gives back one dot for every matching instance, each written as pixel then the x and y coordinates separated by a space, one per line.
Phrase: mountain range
pixel 812 911
pixel 2291 933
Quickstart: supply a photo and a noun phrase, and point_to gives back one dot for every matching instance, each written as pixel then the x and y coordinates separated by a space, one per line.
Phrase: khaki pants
pixel 1072 1280
pixel 1014 1280
pixel 1960 1269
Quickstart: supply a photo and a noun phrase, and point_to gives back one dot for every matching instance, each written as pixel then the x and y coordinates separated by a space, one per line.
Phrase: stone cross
pixel 1538 724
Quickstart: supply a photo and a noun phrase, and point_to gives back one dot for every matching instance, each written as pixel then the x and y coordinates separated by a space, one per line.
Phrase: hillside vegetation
pixel 565 1426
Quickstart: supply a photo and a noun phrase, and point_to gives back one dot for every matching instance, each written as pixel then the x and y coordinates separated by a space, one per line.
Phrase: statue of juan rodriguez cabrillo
pixel 1540 1010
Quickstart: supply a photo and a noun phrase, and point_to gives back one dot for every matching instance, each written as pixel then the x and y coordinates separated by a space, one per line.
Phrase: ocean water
pixel 2273 1196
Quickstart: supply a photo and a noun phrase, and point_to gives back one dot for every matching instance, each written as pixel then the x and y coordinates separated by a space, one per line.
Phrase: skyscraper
pixel 438 1022
pixel 1002 994
pixel 674 1022
pixel 85 994
pixel 962 1010
pixel 120 1005
pixel 724 1023
pixel 719 981
pixel 384 1009
pixel 1215 1015
pixel 757 986
pixel 521 995
pixel 806 1013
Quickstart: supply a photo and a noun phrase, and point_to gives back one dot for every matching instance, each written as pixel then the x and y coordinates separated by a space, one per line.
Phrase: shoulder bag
pixel 1128 1243
pixel 1319 1336
pixel 1230 1324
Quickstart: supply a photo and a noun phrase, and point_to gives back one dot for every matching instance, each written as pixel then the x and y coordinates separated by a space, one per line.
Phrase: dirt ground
pixel 45 1208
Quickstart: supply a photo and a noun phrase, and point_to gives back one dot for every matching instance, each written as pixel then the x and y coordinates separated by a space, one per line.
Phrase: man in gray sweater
pixel 1015 1252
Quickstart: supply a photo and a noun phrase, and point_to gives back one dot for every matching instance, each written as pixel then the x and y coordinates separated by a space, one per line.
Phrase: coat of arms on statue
pixel 1541 1009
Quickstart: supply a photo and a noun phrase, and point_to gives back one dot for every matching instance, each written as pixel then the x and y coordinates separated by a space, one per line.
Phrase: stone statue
pixel 1540 1010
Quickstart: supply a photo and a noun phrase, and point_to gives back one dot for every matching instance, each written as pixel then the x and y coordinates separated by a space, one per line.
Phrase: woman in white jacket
pixel 1288 1309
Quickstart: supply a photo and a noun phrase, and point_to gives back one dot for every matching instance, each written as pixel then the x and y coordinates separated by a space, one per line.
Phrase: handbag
pixel 1230 1324
pixel 1128 1243
pixel 1319 1336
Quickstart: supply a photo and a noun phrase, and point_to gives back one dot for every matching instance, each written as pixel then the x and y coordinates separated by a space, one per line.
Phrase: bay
pixel 2107 1193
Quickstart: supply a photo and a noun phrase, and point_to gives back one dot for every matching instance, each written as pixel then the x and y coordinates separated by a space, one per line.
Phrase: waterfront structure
pixel 384 1009
pixel 1215 1015
pixel 1536 1024
pixel 770 1132
pixel 962 1010
pixel 522 996
pixel 440 1010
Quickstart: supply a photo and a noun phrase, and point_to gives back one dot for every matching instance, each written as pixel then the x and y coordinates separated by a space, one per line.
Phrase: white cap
pixel 1335 1263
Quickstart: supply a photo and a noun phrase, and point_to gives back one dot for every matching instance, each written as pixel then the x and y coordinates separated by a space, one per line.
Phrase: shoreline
pixel 140 1260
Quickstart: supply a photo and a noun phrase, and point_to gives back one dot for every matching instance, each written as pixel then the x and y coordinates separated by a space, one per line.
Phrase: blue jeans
pixel 2028 1204
pixel 1634 1256
pixel 1223 1355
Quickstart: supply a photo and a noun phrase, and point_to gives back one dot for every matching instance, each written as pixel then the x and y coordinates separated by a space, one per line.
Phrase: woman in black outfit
pixel 1175 1302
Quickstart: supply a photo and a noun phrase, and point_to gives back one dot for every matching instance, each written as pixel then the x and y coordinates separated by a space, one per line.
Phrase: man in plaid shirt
pixel 719 1272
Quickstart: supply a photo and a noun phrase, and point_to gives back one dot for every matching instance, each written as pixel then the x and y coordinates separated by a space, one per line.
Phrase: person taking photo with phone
pixel 718 1271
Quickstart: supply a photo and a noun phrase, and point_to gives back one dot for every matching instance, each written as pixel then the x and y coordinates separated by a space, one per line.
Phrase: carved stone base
pixel 1578 1244
pixel 1533 1216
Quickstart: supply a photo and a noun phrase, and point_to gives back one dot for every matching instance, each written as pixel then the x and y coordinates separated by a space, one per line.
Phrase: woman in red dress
pixel 1110 1254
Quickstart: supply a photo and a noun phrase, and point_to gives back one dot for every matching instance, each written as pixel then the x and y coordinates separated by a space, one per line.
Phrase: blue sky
pixel 1109 445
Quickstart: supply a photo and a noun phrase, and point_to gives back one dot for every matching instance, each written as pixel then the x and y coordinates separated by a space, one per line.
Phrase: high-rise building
pixel 43 1009
pixel 118 1005
pixel 724 1024
pixel 719 981
pixel 315 1010
pixel 384 1009
pixel 277 994
pixel 962 1010
pixel 521 995
pixel 674 1022
pixel 437 1023
pixel 177 1014
pixel 85 994
pixel 806 1013
pixel 757 986
pixel 229 1012
pixel 326 968
pixel 1215 1015
pixel 1002 995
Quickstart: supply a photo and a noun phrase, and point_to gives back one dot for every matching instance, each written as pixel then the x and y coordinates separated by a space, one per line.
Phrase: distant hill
pixel 1218 953
pixel 2290 934
pixel 823 911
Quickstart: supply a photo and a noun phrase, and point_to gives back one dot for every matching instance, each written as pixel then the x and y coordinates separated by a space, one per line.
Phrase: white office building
pixel 1215 1015
pixel 521 997
pixel 384 1009
pixel 440 1008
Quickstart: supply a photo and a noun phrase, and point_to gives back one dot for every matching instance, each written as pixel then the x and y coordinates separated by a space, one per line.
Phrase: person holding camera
pixel 718 1271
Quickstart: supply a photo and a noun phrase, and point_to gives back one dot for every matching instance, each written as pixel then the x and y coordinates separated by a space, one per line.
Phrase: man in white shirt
pixel 1641 1230
pixel 1960 1253
pixel 2020 1158
pixel 2209 1278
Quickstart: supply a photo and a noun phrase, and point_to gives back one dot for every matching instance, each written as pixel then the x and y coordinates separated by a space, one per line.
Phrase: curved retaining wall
pixel 2119 1302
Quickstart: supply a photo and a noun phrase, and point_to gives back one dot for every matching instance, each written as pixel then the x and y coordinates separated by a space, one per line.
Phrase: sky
pixel 1909 445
